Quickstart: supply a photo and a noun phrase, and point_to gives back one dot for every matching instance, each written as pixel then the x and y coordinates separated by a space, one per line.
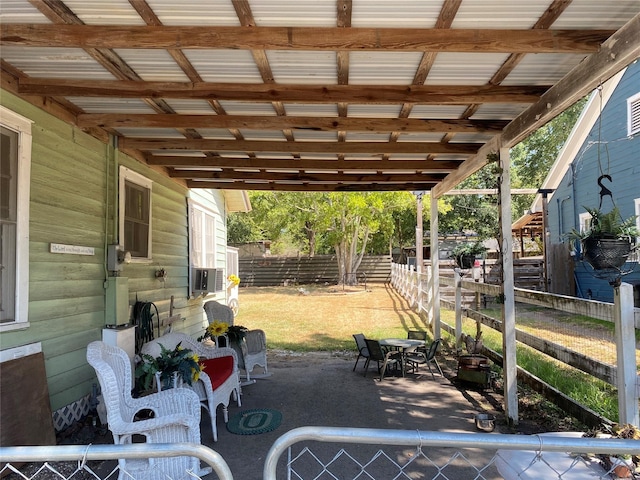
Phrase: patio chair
pixel 219 380
pixel 363 352
pixel 218 311
pixel 253 349
pixel 391 358
pixel 418 335
pixel 414 359
pixel 176 416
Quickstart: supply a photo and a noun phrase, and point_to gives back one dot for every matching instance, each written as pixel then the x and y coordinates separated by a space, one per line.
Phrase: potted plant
pixel 465 253
pixel 170 369
pixel 609 240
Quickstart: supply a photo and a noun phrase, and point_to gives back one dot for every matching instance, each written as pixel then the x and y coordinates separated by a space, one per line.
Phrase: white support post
pixel 626 378
pixel 419 235
pixel 458 284
pixel 510 367
pixel 435 269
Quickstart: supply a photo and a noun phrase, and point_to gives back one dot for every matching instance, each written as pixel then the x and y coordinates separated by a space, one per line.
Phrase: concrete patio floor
pixel 320 389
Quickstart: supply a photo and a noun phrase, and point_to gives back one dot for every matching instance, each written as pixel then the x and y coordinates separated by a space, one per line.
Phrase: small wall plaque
pixel 72 249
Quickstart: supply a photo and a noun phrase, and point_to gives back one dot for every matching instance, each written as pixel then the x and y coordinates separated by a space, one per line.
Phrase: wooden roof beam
pixel 303 38
pixel 309 177
pixel 433 166
pixel 294 93
pixel 296 147
pixel 309 186
pixel 262 122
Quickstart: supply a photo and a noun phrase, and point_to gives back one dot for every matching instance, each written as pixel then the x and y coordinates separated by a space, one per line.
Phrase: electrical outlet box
pixel 117 302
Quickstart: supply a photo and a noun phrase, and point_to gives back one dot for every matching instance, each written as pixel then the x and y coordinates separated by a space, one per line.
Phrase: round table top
pixel 401 342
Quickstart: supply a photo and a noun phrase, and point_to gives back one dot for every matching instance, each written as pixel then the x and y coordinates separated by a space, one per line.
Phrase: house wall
pixel 73 202
pixel 616 155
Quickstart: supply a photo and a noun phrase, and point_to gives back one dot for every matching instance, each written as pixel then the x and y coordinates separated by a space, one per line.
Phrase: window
pixel 633 114
pixel 135 214
pixel 585 221
pixel 205 277
pixel 203 237
pixel 635 255
pixel 15 171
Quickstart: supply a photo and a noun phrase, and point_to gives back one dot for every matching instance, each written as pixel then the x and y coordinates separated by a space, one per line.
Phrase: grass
pixel 325 318
pixel 583 388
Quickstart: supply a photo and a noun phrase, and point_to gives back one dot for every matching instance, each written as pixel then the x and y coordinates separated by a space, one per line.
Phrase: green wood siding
pixel 73 201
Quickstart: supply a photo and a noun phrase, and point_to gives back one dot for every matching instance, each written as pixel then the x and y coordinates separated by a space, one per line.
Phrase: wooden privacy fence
pixel 272 271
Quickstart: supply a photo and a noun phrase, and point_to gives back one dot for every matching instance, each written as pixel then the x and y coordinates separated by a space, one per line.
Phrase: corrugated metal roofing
pixel 386 98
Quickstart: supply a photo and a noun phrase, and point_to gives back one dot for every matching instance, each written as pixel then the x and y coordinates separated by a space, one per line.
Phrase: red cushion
pixel 218 369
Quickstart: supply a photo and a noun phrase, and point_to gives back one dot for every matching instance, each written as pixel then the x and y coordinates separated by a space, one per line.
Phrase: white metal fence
pixel 86 461
pixel 323 453
pixel 552 324
pixel 439 455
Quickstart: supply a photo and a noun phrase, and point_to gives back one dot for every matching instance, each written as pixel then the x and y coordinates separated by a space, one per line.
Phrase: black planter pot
pixel 605 253
pixel 465 261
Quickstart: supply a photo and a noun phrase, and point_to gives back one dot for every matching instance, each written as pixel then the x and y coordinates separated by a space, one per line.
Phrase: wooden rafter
pixel 300 93
pixel 429 166
pixel 309 177
pixel 311 186
pixel 300 147
pixel 255 122
pixel 304 38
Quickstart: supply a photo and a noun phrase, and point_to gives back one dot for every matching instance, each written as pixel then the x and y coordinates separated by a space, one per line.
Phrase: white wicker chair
pixel 254 351
pixel 218 311
pixel 176 416
pixel 209 397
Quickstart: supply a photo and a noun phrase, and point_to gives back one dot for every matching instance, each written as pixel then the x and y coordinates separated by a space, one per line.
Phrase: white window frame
pixel 129 175
pixel 585 221
pixel 633 113
pixel 208 251
pixel 635 255
pixel 22 126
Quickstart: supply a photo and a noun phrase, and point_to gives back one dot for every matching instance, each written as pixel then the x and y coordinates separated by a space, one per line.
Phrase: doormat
pixel 253 422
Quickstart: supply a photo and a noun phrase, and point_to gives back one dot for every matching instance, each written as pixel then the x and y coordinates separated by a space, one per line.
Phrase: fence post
pixel 458 285
pixel 626 378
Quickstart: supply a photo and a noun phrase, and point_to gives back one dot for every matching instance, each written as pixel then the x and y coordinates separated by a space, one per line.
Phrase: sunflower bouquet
pixel 217 329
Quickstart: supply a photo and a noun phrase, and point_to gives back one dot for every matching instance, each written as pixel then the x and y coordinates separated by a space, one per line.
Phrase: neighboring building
pixel 604 141
pixel 67 198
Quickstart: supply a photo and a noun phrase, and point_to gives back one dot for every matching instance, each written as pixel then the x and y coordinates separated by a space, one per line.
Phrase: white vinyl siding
pixel 15 172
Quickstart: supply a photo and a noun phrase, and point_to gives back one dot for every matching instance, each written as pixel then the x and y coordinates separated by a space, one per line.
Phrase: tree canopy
pixel 352 224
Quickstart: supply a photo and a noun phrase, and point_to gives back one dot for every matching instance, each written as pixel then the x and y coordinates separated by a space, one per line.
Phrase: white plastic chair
pixel 176 417
pixel 209 397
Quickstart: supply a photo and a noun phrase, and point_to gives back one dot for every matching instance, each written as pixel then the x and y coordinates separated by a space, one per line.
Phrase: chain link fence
pixel 97 462
pixel 320 453
pixel 323 453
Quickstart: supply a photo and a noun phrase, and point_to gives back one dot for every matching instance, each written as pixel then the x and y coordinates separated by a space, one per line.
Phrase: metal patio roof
pixel 322 95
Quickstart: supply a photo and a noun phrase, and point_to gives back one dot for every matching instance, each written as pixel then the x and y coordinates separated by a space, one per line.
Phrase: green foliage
pixel 467 248
pixel 608 225
pixel 179 360
pixel 533 157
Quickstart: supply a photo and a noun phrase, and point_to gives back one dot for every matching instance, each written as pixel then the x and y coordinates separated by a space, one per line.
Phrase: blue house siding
pixel 606 151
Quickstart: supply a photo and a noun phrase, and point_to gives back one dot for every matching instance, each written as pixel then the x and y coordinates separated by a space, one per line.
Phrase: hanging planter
pixel 464 254
pixel 609 240
pixel 604 253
